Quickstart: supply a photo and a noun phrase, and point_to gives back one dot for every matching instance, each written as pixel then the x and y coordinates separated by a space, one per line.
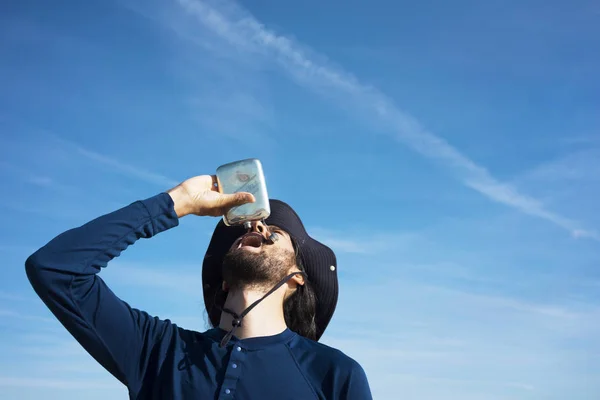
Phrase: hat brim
pixel 319 263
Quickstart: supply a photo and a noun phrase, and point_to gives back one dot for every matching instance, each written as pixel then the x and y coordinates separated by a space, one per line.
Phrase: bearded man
pixel 270 291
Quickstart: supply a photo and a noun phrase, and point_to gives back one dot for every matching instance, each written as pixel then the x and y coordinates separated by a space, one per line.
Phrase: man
pixel 270 293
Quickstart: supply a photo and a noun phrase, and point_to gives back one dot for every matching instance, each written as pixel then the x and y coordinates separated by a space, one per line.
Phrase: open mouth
pixel 251 240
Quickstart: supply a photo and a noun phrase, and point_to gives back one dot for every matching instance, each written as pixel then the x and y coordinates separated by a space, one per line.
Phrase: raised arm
pixel 64 274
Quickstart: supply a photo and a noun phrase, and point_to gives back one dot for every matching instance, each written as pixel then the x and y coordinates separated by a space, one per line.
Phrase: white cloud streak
pixel 241 30
pixel 36 179
pixel 7 381
pixel 116 165
pixel 180 280
pixel 442 340
pixel 21 316
pixel 12 297
pixel 581 166
pixel 127 169
pixel 357 243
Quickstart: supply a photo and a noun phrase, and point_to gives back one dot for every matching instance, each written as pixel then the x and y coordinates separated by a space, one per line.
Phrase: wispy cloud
pixel 44 211
pixel 239 116
pixel 37 179
pixel 116 165
pixel 176 286
pixel 17 296
pixel 365 242
pixel 518 385
pixel 590 139
pixel 463 342
pixel 56 350
pixel 578 166
pixel 35 357
pixel 17 315
pixel 241 30
pixel 67 384
pixel 175 279
pixel 126 169
pixel 508 303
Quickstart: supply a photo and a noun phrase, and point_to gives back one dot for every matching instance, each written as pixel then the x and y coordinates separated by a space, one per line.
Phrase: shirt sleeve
pixel 64 274
pixel 357 386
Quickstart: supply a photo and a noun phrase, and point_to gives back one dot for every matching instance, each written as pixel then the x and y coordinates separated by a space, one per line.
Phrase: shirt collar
pixel 254 343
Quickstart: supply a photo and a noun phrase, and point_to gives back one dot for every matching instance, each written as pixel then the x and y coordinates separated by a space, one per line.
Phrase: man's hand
pixel 200 196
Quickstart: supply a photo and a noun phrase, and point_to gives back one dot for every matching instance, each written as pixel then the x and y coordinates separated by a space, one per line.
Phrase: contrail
pixel 240 29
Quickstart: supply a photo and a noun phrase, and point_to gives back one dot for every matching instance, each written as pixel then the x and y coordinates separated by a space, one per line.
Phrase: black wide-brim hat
pixel 318 260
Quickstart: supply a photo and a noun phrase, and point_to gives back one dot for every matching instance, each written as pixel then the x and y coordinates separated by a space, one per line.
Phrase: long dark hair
pixel 300 309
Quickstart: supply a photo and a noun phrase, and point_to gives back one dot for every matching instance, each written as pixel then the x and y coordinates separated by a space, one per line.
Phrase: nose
pixel 260 227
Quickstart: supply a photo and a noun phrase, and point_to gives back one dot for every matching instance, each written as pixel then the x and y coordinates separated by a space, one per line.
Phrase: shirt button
pixel 234 365
pixel 227 391
pixel 238 348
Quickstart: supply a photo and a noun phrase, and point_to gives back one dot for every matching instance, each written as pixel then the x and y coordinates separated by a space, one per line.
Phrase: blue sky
pixel 450 154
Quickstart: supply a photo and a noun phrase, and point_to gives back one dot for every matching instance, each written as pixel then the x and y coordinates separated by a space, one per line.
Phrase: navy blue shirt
pixel 156 359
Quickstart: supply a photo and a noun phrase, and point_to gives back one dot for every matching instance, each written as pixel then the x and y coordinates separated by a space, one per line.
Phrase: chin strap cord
pixel 237 319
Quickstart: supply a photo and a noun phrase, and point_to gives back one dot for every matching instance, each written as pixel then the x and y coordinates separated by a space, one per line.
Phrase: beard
pixel 247 270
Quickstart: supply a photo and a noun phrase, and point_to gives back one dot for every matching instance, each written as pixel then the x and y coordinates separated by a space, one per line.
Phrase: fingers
pixel 227 201
pixel 236 199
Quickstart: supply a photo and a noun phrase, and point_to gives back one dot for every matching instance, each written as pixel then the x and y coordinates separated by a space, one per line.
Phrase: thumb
pixel 236 199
